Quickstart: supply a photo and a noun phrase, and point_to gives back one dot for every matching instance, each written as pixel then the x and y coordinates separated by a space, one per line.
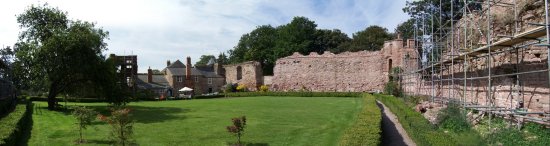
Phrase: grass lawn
pixel 270 121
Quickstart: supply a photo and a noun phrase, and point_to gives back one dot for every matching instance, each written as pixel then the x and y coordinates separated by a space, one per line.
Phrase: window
pixel 239 72
pixel 128 61
pixel 128 66
pixel 196 79
pixel 209 80
pixel 179 78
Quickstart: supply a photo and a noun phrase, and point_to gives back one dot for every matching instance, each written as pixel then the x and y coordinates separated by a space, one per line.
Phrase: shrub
pixel 84 117
pixel 241 88
pixel 452 118
pixel 391 88
pixel 367 128
pixel 264 88
pixel 121 125
pixel 14 124
pixel 227 88
pixel 237 128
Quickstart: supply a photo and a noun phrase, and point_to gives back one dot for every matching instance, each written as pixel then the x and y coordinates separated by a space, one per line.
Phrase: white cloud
pixel 163 30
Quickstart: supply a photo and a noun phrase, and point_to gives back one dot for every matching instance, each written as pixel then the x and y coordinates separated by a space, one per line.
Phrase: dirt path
pixel 392 132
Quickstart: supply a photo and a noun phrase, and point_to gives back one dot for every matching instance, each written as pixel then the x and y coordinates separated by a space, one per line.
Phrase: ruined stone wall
pixel 345 72
pixel 529 91
pixel 251 73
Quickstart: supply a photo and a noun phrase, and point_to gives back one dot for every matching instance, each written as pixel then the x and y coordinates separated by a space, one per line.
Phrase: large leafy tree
pixel 370 39
pixel 329 40
pixel 257 45
pixel 204 60
pixel 406 29
pixel 58 55
pixel 296 36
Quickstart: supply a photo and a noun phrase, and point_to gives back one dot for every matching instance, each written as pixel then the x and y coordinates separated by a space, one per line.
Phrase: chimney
pixel 398 36
pixel 188 68
pixel 168 63
pixel 149 75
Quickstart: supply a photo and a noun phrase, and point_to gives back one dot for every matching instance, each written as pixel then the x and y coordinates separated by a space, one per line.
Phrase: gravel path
pixel 393 133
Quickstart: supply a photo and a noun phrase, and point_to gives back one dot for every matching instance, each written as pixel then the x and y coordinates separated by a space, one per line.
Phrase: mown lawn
pixel 270 121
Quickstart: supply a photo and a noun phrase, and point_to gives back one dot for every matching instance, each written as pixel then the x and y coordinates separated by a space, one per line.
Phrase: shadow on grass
pixel 247 144
pixel 142 114
pixel 102 142
pixel 23 139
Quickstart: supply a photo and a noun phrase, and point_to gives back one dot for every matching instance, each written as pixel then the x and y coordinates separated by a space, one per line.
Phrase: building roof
pixel 176 64
pixel 195 71
pixel 158 81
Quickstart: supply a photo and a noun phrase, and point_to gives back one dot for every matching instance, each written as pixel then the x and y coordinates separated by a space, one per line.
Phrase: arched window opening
pixel 239 72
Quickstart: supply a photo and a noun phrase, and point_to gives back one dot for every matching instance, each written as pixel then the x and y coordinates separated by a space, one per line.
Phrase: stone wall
pixel 251 74
pixel 353 72
pixel 526 91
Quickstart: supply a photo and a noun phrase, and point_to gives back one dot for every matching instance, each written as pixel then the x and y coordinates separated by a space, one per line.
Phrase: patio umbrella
pixel 185 89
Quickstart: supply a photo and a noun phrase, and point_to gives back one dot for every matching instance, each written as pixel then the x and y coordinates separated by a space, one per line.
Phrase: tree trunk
pixel 51 97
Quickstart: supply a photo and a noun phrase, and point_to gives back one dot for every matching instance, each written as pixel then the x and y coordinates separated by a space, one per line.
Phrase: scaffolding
pixel 466 54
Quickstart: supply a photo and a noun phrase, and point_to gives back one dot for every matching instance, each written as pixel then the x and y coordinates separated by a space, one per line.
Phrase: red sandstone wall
pixel 345 72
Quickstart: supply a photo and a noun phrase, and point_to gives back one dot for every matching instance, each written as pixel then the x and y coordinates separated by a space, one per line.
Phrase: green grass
pixel 270 121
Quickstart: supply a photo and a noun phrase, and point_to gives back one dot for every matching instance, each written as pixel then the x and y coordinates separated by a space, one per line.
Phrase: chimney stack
pixel 168 63
pixel 188 69
pixel 149 75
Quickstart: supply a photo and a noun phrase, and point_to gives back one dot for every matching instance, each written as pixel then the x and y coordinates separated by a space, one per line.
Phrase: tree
pixel 406 29
pixel 297 36
pixel 237 128
pixel 370 39
pixel 257 45
pixel 84 117
pixel 56 55
pixel 222 59
pixel 329 40
pixel 204 60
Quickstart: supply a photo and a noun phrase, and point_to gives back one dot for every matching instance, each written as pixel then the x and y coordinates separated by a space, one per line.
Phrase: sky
pixel 161 30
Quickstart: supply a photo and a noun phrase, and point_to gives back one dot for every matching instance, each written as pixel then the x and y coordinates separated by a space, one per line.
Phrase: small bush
pixel 367 128
pixel 84 117
pixel 452 118
pixel 121 125
pixel 391 88
pixel 264 88
pixel 237 128
pixel 241 88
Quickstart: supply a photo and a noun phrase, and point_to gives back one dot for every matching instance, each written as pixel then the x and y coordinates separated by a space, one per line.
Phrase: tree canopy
pixel 58 55
pixel 204 60
pixel 266 43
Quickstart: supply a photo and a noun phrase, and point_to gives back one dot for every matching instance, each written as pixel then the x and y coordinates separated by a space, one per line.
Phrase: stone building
pixel 348 71
pixel 176 75
pixel 246 73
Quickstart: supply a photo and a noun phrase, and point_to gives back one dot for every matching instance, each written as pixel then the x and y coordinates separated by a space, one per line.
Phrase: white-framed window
pixel 128 66
pixel 209 80
pixel 128 61
pixel 196 79
pixel 179 78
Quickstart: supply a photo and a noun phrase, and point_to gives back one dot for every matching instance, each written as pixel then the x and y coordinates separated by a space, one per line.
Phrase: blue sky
pixel 160 30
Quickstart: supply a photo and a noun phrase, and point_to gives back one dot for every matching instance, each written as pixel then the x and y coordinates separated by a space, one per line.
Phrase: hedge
pixel 298 94
pixel 419 129
pixel 58 99
pixel 6 106
pixel 15 124
pixel 367 128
